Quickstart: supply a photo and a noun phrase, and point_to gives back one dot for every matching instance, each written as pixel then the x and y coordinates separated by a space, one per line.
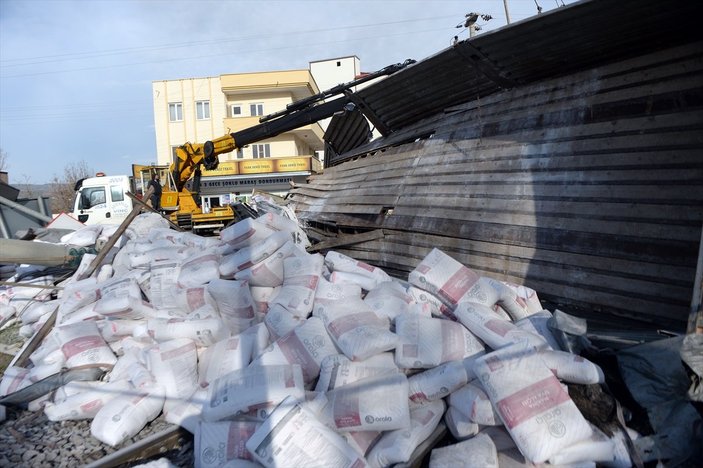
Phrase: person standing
pixel 155 183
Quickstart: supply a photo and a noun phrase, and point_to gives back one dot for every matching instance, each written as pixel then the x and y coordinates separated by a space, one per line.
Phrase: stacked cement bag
pixel 273 356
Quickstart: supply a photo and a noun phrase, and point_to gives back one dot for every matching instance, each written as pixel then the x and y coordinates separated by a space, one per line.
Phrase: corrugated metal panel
pixel 587 187
pixel 553 44
pixel 344 133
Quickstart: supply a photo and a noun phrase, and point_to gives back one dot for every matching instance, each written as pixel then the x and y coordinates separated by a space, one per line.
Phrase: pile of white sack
pixel 273 356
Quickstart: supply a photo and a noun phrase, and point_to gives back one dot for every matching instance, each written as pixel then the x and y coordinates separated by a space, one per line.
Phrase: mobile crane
pixel 183 202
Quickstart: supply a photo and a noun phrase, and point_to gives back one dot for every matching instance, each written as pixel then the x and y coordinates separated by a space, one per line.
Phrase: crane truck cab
pixel 102 199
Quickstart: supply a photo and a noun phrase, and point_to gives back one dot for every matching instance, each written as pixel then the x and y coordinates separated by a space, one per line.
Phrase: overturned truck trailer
pixel 564 152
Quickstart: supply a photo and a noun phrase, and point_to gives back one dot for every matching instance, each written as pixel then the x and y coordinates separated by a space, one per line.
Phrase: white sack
pixel 253 254
pixel 192 299
pixel 598 448
pixel 342 263
pixel 260 339
pixel 86 404
pixel 479 452
pixel 216 443
pixel 293 437
pixel 174 364
pixel 143 224
pixel 199 269
pixel 327 292
pixel 343 277
pixel 279 322
pixel 454 283
pixel 225 356
pixel 493 330
pixel 252 387
pixel 429 342
pixel 307 345
pixel 472 401
pixel 300 278
pixel 234 302
pixel 339 370
pixel 245 233
pixel 125 415
pixel 83 237
pixel 163 282
pixel 186 413
pixel 282 223
pixel 397 446
pixel 459 424
pixel 82 345
pixel 534 407
pixel 269 272
pixel 436 383
pixel 537 324
pixel 262 296
pixel 13 379
pixel 355 328
pixel 378 403
pixel 389 299
pixel 204 332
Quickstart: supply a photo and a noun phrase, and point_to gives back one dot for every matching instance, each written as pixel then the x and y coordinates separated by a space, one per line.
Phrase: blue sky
pixel 75 76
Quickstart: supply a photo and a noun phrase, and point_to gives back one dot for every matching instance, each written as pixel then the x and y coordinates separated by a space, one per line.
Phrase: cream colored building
pixel 200 109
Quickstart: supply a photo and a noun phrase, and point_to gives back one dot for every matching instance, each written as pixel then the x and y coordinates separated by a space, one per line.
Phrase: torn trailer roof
pixel 562 152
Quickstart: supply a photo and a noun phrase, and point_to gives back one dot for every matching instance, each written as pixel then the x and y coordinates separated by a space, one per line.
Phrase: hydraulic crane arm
pixel 298 114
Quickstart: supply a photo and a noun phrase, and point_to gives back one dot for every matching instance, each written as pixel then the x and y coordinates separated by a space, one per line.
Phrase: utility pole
pixel 507 14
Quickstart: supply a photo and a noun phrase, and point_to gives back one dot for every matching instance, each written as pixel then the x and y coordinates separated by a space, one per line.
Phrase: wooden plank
pixel 115 236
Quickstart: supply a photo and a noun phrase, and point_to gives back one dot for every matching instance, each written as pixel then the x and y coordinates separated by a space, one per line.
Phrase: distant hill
pixel 32 190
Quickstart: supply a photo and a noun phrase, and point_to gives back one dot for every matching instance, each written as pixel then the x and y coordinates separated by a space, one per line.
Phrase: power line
pixel 110 52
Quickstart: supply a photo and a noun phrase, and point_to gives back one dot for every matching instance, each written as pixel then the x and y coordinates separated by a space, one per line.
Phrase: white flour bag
pixel 125 415
pixel 473 402
pixel 293 437
pixel 279 322
pixel 253 254
pixel 186 413
pixel 245 233
pixel 537 324
pixel 262 296
pixel 459 424
pixel 339 370
pixel 436 383
pixel 397 446
pixel 339 262
pixel 300 278
pixel 355 328
pixel 205 331
pixel 479 452
pixel 223 357
pixel 174 364
pixel 535 409
pixel 199 269
pixel 307 345
pixel 389 299
pixel 269 272
pixel 86 404
pixel 192 299
pixel 234 302
pixel 378 403
pixel 217 443
pixel 493 330
pixel 428 342
pixel 255 386
pixel 82 345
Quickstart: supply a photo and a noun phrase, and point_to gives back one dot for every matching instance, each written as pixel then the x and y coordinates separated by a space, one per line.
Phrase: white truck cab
pixel 102 199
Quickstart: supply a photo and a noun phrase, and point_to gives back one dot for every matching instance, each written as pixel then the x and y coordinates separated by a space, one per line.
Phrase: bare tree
pixel 62 188
pixel 3 160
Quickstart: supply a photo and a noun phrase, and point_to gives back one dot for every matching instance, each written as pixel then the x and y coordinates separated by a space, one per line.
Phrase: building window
pixel 235 110
pixel 240 153
pixel 256 109
pixel 202 110
pixel 261 151
pixel 175 111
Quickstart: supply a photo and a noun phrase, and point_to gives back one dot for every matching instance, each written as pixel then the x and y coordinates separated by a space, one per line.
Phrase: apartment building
pixel 200 109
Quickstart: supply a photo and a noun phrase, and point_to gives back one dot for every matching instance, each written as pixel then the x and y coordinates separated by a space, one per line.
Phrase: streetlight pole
pixel 507 14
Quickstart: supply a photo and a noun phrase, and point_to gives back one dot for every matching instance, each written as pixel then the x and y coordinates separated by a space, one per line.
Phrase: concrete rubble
pixel 274 356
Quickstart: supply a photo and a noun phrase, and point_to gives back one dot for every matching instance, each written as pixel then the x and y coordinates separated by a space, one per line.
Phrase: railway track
pixel 29 439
